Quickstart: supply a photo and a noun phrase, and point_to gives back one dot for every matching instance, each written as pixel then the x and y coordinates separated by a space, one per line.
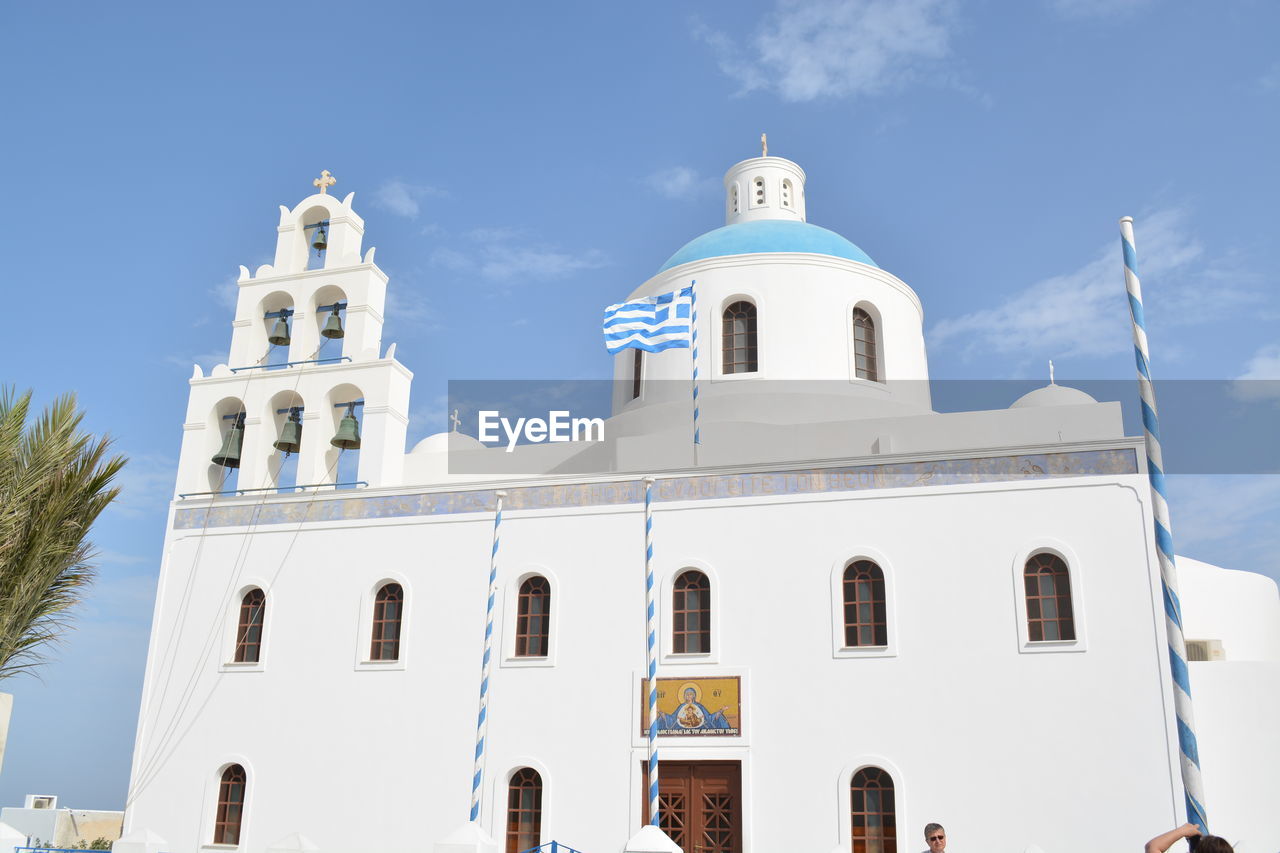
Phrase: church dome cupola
pixel 765 213
pixel 764 188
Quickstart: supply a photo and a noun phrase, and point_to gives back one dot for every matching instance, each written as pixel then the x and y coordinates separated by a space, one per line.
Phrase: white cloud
pixel 402 198
pixel 1271 79
pixel 1230 520
pixel 146 484
pixel 1261 377
pixel 1098 9
pixel 680 182
pixel 115 593
pixel 506 263
pixel 1265 363
pixel 429 419
pixel 805 50
pixel 1084 312
pixel 496 234
pixel 226 293
pixel 508 254
pixel 450 259
pixel 409 306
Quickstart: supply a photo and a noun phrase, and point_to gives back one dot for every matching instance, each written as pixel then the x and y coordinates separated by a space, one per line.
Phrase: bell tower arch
pixel 307 330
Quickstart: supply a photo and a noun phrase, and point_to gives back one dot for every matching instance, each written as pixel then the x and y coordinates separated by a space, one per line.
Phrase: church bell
pixel 290 440
pixel 333 326
pixel 280 333
pixel 320 242
pixel 229 454
pixel 348 437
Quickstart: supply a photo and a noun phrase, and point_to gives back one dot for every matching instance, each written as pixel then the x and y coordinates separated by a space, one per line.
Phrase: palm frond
pixel 54 482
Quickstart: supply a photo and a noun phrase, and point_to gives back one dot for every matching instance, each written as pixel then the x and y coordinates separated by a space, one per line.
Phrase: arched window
pixel 1049 615
pixel 864 346
pixel 865 623
pixel 786 192
pixel 691 614
pixel 253 608
pixel 871 812
pixel 226 827
pixel 533 618
pixel 388 610
pixel 738 338
pixel 757 187
pixel 524 810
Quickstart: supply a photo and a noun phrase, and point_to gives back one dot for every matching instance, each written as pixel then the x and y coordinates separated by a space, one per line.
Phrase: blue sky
pixel 522 165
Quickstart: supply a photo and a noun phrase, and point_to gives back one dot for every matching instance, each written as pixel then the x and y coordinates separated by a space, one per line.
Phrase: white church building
pixel 870 615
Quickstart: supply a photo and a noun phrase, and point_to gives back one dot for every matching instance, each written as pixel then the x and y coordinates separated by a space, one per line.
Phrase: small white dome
pixel 1053 395
pixel 443 442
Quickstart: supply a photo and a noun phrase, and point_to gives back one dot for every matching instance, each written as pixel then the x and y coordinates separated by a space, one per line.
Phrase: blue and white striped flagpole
pixel 651 625
pixel 482 721
pixel 1192 782
pixel 693 299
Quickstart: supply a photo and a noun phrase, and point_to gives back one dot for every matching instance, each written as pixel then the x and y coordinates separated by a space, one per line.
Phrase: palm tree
pixel 54 481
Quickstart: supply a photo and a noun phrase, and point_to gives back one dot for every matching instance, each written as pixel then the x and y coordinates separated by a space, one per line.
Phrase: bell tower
pixel 307 396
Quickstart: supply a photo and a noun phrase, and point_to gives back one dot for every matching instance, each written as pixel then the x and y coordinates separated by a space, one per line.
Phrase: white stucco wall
pixel 804 308
pixel 1235 706
pixel 1236 698
pixel 1242 609
pixel 969 721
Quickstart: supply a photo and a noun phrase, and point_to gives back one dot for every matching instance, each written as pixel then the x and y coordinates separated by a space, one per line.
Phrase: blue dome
pixel 767 235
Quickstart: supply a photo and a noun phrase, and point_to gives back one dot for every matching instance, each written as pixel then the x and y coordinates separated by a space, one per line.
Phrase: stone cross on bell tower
pixel 324 181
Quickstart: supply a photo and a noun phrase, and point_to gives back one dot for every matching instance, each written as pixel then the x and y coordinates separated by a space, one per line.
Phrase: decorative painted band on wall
pixel 852 478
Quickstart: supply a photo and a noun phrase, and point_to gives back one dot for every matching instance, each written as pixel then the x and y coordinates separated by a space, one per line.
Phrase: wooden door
pixel 700 804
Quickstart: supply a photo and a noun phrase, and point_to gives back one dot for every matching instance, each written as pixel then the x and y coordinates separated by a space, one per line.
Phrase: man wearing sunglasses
pixel 936 836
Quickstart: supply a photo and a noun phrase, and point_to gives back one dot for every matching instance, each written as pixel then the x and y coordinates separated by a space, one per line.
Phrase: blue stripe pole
pixel 693 301
pixel 482 721
pixel 1192 782
pixel 652 628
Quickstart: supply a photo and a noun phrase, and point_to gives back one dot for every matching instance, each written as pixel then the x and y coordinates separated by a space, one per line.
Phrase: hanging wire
pixel 158 760
pixel 169 658
pixel 151 767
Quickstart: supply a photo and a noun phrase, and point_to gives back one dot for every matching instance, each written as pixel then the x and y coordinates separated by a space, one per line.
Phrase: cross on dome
pixel 764 145
pixel 325 181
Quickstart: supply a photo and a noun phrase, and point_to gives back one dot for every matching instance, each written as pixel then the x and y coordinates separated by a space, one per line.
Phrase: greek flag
pixel 652 324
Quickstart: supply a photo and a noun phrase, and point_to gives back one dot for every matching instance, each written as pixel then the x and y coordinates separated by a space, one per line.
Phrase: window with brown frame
pixel 871 812
pixel 865 365
pixel 865 621
pixel 524 810
pixel 637 367
pixel 691 614
pixel 533 618
pixel 738 339
pixel 249 630
pixel 1048 584
pixel 226 827
pixel 388 611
